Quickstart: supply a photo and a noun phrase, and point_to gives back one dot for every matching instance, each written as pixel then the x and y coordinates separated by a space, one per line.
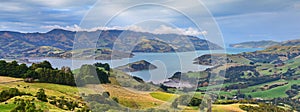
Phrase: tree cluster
pixel 294 103
pixel 43 71
pixel 10 93
pixel 25 106
pixel 252 82
pixel 12 69
pixel 293 91
pixel 48 75
pixel 187 100
pixel 263 108
pixel 91 74
pixel 64 103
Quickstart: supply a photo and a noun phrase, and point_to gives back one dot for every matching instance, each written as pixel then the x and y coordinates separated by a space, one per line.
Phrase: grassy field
pixel 6 107
pixel 228 108
pixel 275 92
pixel 50 90
pixel 220 108
pixel 127 97
pixel 163 96
pixel 257 87
pixel 131 98
pixel 239 59
pixel 39 104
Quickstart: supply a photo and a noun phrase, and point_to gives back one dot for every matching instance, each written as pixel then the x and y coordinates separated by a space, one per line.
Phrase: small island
pixel 137 66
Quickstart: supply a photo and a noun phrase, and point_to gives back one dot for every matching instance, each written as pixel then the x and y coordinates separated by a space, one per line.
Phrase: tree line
pixel 45 73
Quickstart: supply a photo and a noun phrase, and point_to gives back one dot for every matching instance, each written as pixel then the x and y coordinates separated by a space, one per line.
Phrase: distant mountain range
pixel 265 44
pixel 58 42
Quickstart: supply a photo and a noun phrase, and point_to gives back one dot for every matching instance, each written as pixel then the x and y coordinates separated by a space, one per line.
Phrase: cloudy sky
pixel 238 20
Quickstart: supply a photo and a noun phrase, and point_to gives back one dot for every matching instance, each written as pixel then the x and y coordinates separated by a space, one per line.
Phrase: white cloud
pixel 188 31
pixel 163 29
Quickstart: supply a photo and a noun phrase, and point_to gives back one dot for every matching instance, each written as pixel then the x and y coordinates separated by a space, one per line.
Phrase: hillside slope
pixel 16 44
pixel 265 44
pixel 255 44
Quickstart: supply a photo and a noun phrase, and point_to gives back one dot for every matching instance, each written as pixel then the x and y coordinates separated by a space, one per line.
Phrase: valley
pixel 241 81
pixel 247 84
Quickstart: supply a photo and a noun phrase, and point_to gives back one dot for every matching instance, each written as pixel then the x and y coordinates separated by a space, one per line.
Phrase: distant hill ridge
pixel 265 44
pixel 16 44
pixel 255 44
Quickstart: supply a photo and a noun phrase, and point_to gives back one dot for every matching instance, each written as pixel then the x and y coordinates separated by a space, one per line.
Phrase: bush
pixel 10 93
pixel 263 108
pixel 41 95
pixel 115 99
pixel 25 106
pixel 195 101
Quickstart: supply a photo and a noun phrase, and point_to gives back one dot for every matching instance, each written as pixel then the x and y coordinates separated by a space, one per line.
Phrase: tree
pixel 105 66
pixel 22 69
pixel 249 97
pixel 25 106
pixel 12 69
pixel 3 70
pixel 102 76
pixel 115 99
pixel 31 74
pixel 44 64
pixel 195 101
pixel 41 95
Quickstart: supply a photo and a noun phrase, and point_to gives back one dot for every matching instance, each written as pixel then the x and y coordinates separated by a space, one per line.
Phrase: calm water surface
pixel 167 63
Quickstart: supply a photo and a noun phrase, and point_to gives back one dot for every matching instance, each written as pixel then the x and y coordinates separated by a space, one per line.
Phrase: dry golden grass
pixel 228 108
pixel 220 108
pixel 127 97
pixel 163 96
pixel 8 79
pixel 131 98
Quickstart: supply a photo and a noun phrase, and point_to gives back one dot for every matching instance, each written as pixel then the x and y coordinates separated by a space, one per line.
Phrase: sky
pixel 234 20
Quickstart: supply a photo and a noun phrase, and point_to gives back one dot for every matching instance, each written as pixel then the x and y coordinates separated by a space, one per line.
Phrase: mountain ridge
pixel 255 44
pixel 265 44
pixel 17 44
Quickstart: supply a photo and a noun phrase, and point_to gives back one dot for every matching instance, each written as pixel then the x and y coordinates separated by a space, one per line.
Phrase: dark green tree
pixel 3 69
pixel 41 95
